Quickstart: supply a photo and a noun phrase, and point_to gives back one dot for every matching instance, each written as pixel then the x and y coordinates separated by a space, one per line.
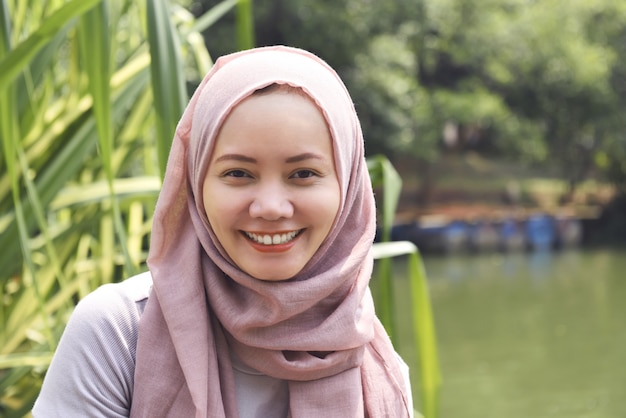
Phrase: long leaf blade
pixel 168 84
pixel 425 337
pixel 422 320
pixel 245 25
pixel 96 49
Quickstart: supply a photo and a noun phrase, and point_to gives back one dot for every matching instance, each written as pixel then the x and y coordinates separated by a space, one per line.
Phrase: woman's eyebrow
pixel 235 157
pixel 304 156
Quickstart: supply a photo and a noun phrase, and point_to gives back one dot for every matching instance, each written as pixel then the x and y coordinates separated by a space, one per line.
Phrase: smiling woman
pixel 257 302
pixel 279 176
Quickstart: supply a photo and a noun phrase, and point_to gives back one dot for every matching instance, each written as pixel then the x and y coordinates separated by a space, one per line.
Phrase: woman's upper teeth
pixel 272 239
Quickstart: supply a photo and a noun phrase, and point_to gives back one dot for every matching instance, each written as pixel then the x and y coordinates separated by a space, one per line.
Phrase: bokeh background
pixel 504 118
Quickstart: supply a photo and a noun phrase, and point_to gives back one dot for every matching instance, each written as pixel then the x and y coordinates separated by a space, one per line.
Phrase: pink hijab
pixel 203 308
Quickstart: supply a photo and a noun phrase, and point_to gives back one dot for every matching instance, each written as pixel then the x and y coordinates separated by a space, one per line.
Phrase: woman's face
pixel 271 192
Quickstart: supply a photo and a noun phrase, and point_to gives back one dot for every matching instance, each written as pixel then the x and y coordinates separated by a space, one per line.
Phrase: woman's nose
pixel 271 203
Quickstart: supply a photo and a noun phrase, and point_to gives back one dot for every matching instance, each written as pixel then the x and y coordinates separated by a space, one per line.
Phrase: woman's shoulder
pixel 111 312
pixel 115 302
pixel 110 315
pixel 134 290
pixel 92 371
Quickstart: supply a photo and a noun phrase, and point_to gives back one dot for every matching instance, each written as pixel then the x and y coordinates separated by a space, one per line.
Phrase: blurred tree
pixel 536 81
pixel 607 27
pixel 548 69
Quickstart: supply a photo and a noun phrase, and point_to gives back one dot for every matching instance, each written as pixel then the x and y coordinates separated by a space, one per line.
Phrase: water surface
pixel 529 335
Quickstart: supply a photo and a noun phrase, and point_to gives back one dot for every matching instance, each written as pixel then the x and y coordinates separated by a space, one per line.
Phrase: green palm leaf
pixel 168 83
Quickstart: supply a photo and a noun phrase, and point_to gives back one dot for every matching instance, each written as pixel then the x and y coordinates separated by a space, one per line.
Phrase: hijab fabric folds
pixel 318 330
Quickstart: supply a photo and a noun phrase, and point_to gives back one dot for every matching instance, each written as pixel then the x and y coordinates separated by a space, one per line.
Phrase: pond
pixel 530 334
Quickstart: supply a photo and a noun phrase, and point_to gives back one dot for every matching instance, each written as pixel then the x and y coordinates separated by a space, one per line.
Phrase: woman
pixel 257 300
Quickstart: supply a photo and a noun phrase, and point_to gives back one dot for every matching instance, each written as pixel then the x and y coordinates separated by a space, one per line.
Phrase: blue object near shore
pixel 540 232
pixel 536 232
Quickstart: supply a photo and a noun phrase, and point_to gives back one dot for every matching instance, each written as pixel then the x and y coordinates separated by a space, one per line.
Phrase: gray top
pixel 92 372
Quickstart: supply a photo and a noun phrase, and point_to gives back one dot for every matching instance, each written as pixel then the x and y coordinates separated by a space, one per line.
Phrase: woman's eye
pixel 236 174
pixel 304 174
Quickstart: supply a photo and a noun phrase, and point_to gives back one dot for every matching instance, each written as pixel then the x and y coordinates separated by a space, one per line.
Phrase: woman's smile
pixel 272 238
